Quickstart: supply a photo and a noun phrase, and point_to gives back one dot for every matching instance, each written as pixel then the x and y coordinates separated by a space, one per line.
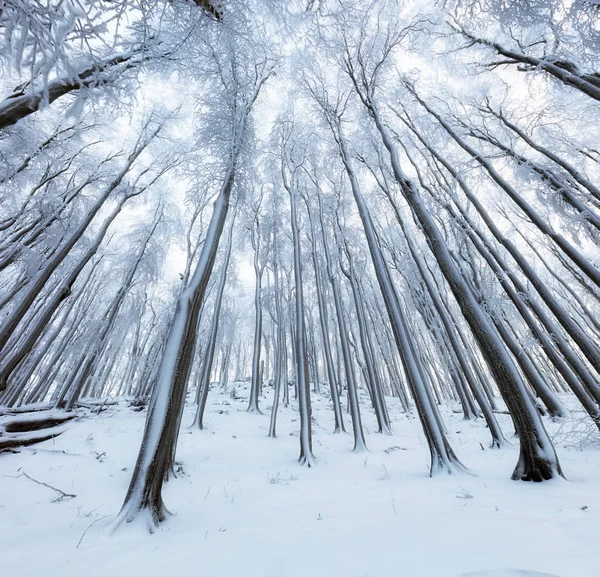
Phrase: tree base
pixel 500 444
pixel 536 469
pixel 150 515
pixel 451 465
pixel 307 461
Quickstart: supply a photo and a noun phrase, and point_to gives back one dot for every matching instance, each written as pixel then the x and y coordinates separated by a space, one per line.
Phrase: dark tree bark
pixel 21 104
pixel 537 459
pixel 567 72
pixel 163 419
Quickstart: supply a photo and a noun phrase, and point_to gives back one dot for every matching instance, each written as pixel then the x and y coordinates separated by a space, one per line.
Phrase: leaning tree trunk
pixel 108 323
pixel 152 466
pixel 17 106
pixel 531 372
pixel 443 457
pixel 34 288
pixel 498 439
pixel 354 406
pixel 566 72
pixel 162 422
pixel 40 320
pixel 377 398
pixel 567 166
pixel 583 263
pixel 34 362
pixel 554 339
pixel 548 342
pixel 537 459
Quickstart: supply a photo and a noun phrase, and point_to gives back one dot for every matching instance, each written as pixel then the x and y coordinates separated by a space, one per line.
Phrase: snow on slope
pixel 244 507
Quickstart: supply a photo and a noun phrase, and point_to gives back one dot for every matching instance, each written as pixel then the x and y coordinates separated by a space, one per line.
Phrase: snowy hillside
pixel 244 507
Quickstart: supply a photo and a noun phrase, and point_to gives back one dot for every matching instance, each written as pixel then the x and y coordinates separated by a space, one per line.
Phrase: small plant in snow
pixel 385 475
pixel 577 431
pixel 278 479
pixel 463 494
pixel 393 448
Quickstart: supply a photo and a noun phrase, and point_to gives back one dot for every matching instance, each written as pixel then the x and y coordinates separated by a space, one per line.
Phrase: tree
pixel 152 466
pixel 290 166
pixel 537 460
pixel 260 262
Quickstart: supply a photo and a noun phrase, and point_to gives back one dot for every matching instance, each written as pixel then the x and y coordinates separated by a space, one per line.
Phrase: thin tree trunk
pixel 301 353
pixel 204 381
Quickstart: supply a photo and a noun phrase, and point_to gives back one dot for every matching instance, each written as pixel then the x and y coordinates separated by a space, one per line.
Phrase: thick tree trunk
pixel 442 455
pixel 537 460
pixel 577 370
pixel 19 105
pixel 152 466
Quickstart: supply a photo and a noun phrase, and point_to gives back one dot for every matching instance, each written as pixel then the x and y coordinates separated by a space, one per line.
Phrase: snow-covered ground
pixel 244 507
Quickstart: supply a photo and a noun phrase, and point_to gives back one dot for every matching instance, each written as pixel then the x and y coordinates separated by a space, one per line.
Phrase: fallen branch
pixel 27 425
pixel 61 494
pixel 89 527
pixel 10 442
pixel 25 409
pixel 23 431
pixel 95 404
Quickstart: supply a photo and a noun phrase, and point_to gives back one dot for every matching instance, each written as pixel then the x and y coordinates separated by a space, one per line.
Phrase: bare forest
pixel 300 288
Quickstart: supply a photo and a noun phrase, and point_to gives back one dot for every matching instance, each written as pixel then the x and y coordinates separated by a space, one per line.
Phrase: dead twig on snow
pixel 61 495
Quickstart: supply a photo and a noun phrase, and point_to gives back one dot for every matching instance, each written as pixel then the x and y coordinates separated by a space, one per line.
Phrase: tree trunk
pixel 204 381
pixel 301 352
pixel 537 460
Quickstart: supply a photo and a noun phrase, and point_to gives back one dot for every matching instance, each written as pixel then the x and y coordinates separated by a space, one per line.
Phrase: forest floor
pixel 244 506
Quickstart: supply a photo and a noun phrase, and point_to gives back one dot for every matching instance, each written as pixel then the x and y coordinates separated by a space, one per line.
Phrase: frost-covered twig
pixel 577 432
